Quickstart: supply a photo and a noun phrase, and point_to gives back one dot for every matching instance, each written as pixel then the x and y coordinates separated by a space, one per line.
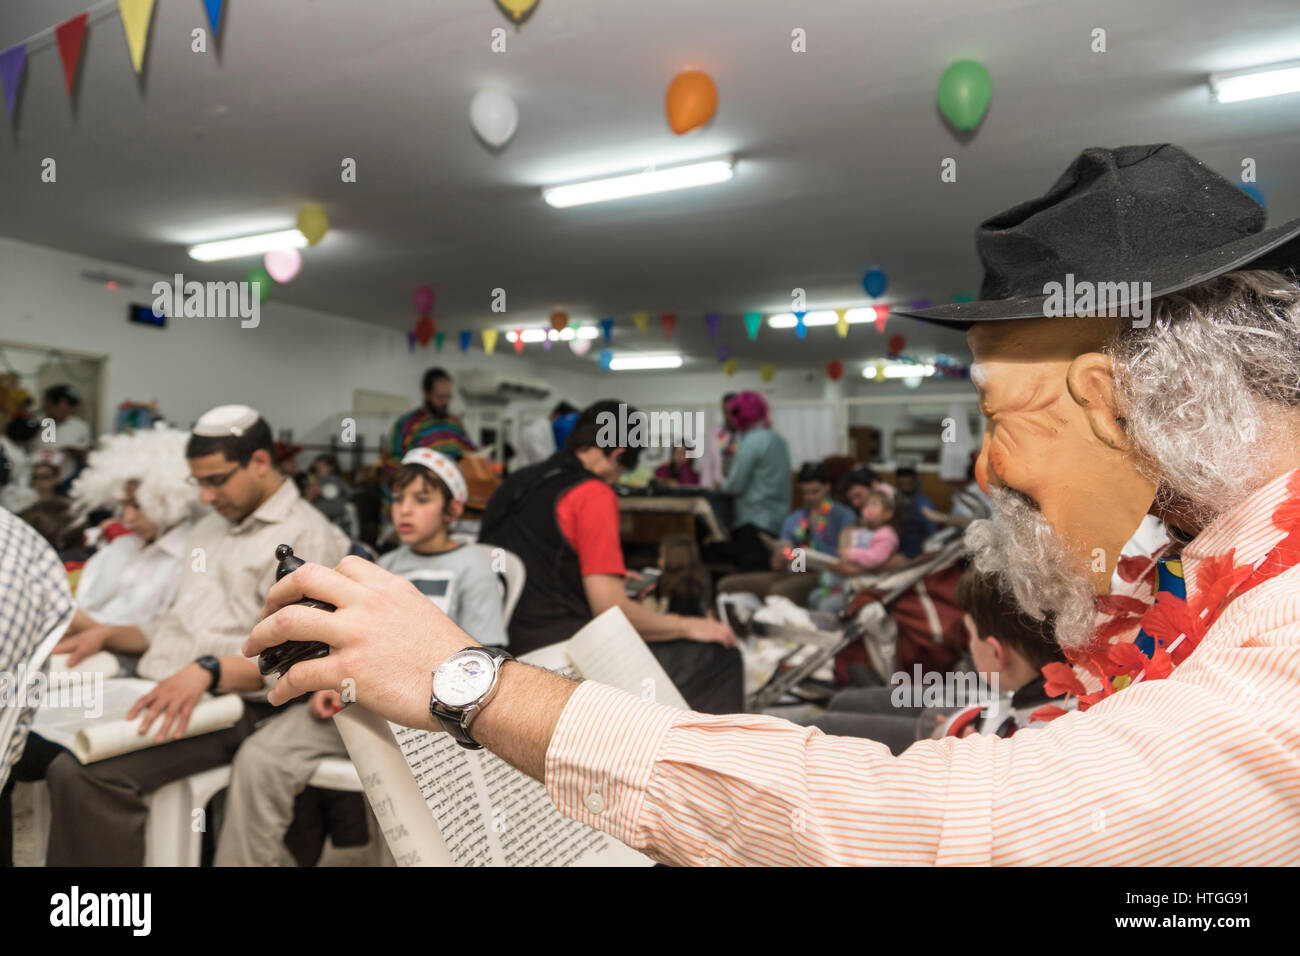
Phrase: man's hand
pixel 82 644
pixel 936 517
pixel 385 635
pixel 173 698
pixel 325 704
pixel 707 631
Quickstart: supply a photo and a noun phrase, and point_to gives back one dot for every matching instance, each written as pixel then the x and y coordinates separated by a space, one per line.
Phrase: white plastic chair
pixel 338 773
pixel 170 838
pixel 515 575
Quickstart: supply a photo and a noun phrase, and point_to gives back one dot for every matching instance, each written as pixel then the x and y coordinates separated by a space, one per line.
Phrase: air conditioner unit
pixel 486 387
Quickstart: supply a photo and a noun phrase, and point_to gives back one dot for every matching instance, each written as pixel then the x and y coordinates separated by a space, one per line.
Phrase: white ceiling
pixel 839 148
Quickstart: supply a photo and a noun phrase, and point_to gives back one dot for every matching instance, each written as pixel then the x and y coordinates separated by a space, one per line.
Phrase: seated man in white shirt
pixel 99 809
pixel 133 578
pixel 66 431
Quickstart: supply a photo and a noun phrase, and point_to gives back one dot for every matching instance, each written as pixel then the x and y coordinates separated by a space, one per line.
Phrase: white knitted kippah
pixel 443 467
pixel 226 420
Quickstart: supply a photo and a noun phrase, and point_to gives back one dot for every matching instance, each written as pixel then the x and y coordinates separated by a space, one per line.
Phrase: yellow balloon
pixel 313 224
pixel 730 366
pixel 767 372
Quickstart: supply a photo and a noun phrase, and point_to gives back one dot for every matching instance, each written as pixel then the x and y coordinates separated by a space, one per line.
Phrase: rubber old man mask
pixel 1055 439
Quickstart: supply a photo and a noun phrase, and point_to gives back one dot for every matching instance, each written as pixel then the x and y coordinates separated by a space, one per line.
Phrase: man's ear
pixel 1091 380
pixel 262 458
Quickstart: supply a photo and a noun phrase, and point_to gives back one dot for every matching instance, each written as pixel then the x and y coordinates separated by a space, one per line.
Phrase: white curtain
pixel 811 431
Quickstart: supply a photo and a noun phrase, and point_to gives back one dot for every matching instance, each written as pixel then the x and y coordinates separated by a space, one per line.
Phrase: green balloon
pixel 263 280
pixel 965 90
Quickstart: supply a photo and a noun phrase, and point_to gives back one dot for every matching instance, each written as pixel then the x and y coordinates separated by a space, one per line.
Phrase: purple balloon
pixel 724 352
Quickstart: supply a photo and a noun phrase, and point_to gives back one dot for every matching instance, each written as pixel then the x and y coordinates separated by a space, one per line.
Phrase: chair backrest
pixel 513 575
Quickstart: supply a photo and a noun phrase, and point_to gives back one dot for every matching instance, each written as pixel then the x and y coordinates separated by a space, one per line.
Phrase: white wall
pixel 298 367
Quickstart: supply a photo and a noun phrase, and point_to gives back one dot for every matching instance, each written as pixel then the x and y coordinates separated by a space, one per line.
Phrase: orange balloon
pixel 559 319
pixel 691 101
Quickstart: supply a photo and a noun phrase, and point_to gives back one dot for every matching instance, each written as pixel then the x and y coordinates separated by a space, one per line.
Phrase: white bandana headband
pixel 443 467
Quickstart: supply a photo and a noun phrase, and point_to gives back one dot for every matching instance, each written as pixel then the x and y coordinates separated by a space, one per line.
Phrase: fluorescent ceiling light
pixel 541 335
pixel 900 370
pixel 640 184
pixel 629 363
pixel 248 245
pixel 786 320
pixel 1256 83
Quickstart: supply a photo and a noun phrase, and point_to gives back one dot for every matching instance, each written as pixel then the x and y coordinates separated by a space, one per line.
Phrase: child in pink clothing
pixel 862 549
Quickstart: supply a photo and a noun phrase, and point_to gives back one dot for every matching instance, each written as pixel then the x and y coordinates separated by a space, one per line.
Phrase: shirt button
pixel 594 802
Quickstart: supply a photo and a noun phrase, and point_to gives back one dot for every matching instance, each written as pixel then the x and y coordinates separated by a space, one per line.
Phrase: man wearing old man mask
pixel 1177 398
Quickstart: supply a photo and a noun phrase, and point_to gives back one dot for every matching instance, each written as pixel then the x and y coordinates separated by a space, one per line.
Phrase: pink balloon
pixel 423 300
pixel 283 264
pixel 580 346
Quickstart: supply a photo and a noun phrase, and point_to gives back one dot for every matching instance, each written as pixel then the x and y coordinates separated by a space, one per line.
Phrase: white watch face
pixel 462 680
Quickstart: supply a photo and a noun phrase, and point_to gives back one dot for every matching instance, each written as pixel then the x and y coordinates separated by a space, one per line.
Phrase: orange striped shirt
pixel 1200 768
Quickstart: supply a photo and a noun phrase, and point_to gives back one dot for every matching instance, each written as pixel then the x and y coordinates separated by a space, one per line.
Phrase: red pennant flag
pixel 519 340
pixel 668 320
pixel 71 34
pixel 882 316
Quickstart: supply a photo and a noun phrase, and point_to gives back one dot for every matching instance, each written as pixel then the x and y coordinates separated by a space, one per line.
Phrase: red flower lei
pixel 1177 625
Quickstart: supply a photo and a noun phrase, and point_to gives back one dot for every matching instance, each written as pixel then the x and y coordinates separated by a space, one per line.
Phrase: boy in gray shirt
pixel 273 765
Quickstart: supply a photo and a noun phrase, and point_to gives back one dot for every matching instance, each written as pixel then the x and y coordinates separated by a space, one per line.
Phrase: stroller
pixel 895 620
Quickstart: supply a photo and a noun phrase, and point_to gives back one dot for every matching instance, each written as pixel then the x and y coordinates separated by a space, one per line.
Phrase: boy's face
pixel 418 512
pixel 133 517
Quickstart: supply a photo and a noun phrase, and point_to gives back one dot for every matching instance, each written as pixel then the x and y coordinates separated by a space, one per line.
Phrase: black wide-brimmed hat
pixel 1133 214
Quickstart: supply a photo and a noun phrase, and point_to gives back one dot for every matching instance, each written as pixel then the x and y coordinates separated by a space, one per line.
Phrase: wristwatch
pixel 213 666
pixel 462 686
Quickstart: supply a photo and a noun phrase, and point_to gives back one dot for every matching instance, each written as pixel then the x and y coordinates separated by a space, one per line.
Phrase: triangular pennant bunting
pixel 519 340
pixel 438 340
pixel 214 13
pixel 465 339
pixel 607 329
pixel 753 322
pixel 799 328
pixel 12 62
pixel 71 34
pixel 842 322
pixel 642 320
pixel 668 320
pixel 713 320
pixel 136 15
pixel 489 340
pixel 882 316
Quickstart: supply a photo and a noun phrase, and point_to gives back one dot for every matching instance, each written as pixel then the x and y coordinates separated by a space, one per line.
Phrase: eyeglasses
pixel 213 481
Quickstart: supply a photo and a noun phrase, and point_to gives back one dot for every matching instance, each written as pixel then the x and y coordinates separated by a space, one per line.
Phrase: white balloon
pixel 494 116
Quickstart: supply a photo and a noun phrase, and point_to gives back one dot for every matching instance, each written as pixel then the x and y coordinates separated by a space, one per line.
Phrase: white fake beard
pixel 1028 558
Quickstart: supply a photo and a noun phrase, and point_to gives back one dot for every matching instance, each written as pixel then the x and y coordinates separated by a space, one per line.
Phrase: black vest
pixel 520 517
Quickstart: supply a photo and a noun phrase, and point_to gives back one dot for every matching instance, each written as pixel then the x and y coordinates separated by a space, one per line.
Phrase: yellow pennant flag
pixel 642 320
pixel 841 323
pixel 489 340
pixel 136 15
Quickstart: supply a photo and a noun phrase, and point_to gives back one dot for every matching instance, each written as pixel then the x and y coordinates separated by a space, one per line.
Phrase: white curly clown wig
pixel 154 457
